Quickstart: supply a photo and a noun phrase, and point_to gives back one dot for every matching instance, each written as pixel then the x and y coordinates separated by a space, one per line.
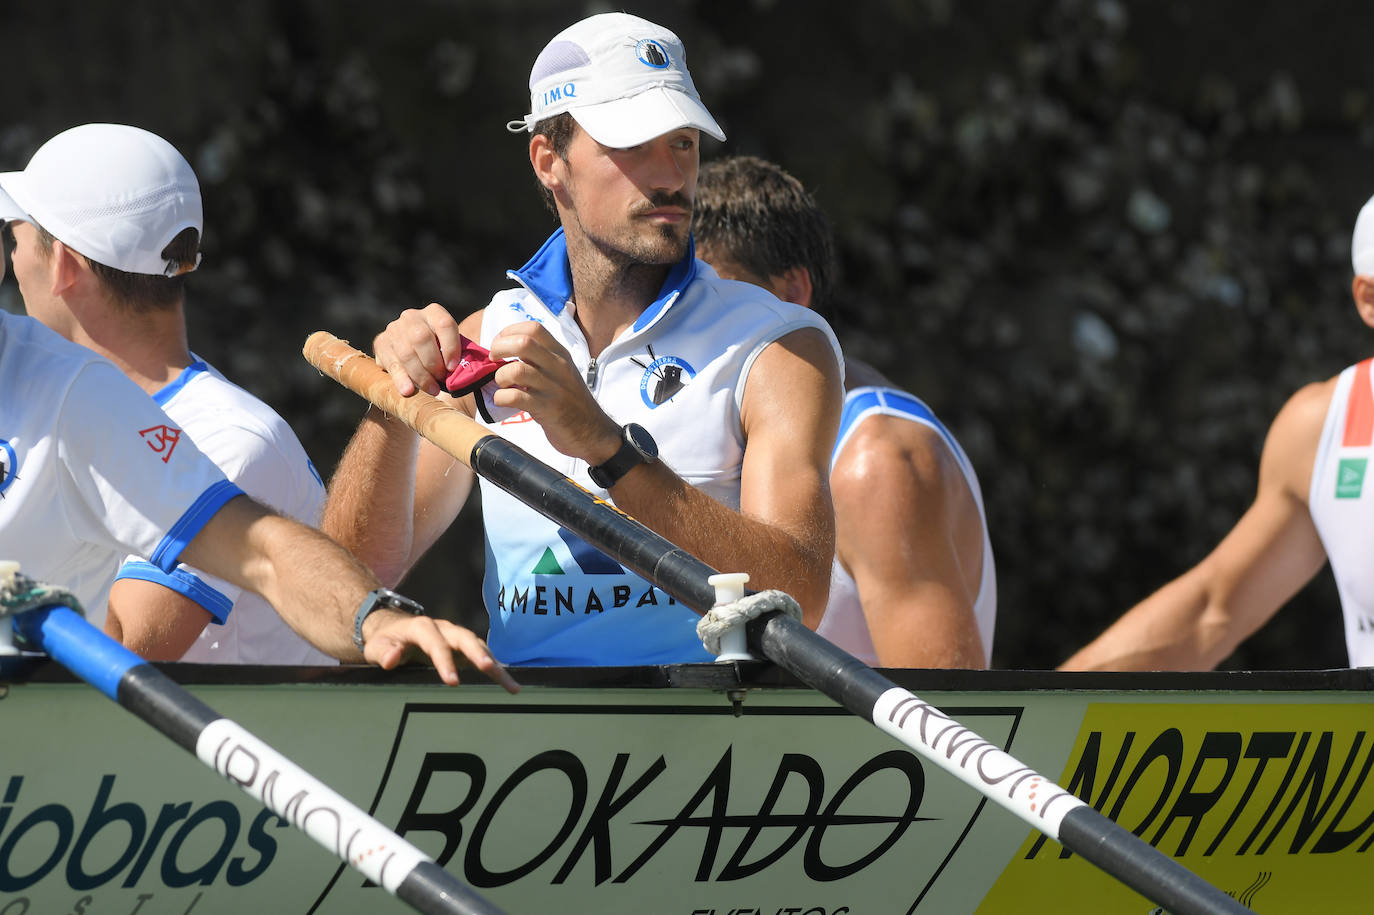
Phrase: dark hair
pixel 750 211
pixel 559 131
pixel 141 292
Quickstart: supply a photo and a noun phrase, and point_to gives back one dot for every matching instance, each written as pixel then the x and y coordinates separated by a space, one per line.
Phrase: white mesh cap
pixel 1362 242
pixel 114 193
pixel 624 79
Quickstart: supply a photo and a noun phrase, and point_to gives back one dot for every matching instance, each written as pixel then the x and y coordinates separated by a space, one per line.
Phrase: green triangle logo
pixel 548 564
pixel 1350 477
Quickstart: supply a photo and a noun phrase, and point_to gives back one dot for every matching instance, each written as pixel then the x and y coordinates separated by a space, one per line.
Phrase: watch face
pixel 642 441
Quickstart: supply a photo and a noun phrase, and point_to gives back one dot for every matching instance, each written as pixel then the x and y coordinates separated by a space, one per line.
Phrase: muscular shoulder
pixel 887 454
pixel 1290 448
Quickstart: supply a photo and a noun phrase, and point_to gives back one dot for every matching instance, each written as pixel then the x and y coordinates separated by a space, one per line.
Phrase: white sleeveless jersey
pixel 258 451
pixel 90 467
pixel 1341 502
pixel 844 622
pixel 679 372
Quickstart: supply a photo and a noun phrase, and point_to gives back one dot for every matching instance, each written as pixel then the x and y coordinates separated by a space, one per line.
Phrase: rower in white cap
pixel 704 408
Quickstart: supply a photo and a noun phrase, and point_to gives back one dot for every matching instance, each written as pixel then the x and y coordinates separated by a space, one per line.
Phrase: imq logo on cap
pixel 652 54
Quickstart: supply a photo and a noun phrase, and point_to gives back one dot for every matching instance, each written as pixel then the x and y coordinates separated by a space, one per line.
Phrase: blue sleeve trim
pixel 183 582
pixel 168 552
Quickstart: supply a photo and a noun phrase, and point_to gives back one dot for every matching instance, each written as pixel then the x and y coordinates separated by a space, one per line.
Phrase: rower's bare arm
pixel 154 622
pixel 908 530
pixel 1197 620
pixel 784 533
pixel 394 493
pixel 316 586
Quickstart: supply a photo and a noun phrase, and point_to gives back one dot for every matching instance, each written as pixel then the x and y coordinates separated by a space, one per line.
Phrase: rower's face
pixel 637 201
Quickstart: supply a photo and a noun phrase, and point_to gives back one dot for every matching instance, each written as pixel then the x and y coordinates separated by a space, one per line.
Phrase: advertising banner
pixel 627 800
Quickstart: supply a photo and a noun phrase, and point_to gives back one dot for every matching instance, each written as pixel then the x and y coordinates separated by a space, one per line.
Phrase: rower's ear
pixel 1362 289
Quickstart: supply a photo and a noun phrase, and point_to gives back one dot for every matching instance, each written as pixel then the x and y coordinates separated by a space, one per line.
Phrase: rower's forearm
pixel 1173 629
pixel 729 541
pixel 314 584
pixel 371 496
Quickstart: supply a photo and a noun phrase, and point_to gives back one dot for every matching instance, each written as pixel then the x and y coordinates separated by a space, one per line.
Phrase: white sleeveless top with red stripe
pixel 1341 502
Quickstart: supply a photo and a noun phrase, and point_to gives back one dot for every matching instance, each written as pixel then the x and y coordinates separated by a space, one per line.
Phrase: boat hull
pixel 640 790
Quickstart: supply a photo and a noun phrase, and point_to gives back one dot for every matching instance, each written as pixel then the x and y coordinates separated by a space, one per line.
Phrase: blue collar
pixel 166 394
pixel 549 276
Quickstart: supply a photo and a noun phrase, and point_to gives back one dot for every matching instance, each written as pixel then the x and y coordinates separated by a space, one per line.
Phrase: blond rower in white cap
pixel 703 407
pixel 106 220
pixel 1315 504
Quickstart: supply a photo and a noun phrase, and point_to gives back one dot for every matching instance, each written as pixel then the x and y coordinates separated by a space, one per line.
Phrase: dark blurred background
pixel 1104 240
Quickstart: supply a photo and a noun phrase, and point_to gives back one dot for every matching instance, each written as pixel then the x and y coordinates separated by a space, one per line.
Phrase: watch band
pixel 377 599
pixel 636 447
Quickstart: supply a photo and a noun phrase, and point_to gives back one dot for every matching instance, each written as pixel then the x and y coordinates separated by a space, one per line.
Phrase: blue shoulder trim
pixel 862 401
pixel 183 582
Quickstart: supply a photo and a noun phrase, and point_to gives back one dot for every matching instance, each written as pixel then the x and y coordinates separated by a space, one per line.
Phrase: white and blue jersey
pixel 258 451
pixel 679 372
pixel 844 622
pixel 91 468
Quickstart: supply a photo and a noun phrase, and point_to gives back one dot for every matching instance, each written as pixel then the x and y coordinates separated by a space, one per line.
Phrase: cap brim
pixel 8 208
pixel 638 119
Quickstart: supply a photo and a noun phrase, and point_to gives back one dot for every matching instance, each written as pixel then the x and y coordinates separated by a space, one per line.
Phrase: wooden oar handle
pixel 440 422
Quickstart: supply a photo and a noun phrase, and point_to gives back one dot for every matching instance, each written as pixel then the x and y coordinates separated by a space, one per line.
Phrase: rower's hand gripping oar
pixel 785 641
pixel 49 619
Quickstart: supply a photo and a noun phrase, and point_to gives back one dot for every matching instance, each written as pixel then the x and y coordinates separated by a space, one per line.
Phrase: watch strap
pixel 375 600
pixel 622 462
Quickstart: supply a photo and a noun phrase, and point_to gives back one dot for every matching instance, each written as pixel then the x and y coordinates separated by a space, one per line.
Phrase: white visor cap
pixel 113 193
pixel 624 79
pixel 1362 242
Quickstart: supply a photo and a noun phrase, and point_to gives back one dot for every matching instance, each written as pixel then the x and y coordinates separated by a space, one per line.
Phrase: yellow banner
pixel 1264 802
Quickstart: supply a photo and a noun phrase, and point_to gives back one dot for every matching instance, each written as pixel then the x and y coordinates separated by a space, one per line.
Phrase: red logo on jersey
pixel 162 439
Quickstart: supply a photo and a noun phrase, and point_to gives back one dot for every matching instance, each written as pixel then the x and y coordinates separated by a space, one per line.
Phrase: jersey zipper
pixel 591 373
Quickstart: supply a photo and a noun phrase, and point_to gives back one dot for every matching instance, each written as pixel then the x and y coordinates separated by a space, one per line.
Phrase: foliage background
pixel 1105 240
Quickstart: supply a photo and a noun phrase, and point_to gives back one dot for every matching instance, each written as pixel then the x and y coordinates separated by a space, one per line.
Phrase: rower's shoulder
pixel 1304 413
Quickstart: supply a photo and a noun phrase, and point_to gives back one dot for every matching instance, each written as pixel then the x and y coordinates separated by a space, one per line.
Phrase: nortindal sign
pixel 1275 805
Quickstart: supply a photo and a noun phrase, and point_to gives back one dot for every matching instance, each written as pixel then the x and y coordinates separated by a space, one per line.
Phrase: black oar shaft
pixel 834 672
pixel 599 523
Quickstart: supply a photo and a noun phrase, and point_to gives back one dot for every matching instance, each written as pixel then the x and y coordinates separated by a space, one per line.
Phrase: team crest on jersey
pixel 162 439
pixel 663 377
pixel 8 462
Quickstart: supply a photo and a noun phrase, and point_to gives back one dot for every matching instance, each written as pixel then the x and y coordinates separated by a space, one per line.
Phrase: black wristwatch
pixel 638 448
pixel 375 600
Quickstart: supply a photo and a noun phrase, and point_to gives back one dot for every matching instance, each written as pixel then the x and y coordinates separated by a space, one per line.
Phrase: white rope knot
pixel 724 617
pixel 19 592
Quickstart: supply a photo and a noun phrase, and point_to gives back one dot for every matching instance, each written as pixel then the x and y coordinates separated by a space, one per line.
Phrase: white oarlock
pixel 734 642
